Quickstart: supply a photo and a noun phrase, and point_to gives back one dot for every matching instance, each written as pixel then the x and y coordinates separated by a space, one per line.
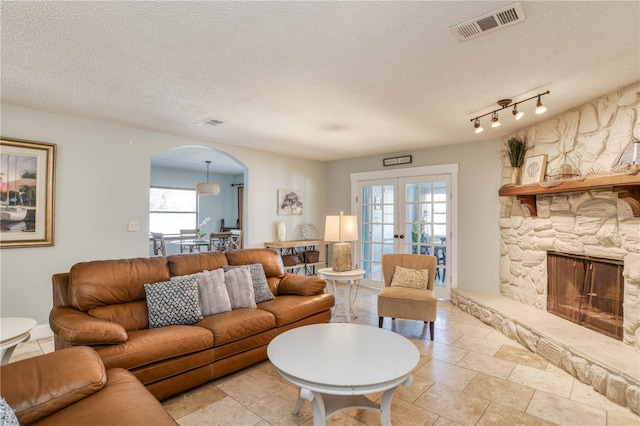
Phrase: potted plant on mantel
pixel 516 149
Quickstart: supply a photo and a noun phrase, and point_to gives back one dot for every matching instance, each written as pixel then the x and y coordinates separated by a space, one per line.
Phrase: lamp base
pixel 341 260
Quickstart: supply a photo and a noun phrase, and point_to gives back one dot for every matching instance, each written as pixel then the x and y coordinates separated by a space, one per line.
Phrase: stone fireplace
pixel 595 139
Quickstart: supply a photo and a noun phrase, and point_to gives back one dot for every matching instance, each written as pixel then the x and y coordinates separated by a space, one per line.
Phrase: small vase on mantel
pixel 281 231
pixel 515 175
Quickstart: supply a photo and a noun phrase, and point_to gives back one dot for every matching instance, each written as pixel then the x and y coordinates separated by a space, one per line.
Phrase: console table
pixel 298 247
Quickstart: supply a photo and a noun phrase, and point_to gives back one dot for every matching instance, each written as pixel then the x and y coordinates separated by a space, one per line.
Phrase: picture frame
pixel 534 169
pixel 289 202
pixel 27 187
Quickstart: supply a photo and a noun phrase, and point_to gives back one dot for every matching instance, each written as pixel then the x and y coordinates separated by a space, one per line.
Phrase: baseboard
pixel 40 331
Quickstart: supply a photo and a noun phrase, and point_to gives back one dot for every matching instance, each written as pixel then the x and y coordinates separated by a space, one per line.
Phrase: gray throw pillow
pixel 173 303
pixel 7 416
pixel 261 288
pixel 240 288
pixel 212 291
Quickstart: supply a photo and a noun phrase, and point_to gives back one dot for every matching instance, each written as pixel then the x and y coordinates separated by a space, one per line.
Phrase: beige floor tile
pixel 521 355
pixel 497 414
pixel 418 387
pixel 557 384
pixel 225 412
pixel 585 394
pixel 479 330
pixel 195 399
pixel 461 407
pixel 443 421
pixel 620 419
pixel 487 364
pixel 448 374
pixel 338 419
pixel 442 352
pixel 497 337
pixel 482 346
pixel 402 413
pixel 564 411
pixel 251 386
pixel 503 392
pixel 277 408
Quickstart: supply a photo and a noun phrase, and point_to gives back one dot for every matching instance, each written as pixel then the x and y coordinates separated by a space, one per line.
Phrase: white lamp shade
pixel 341 228
pixel 206 188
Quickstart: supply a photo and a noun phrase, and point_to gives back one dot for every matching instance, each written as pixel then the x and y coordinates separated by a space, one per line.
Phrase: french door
pixel 411 214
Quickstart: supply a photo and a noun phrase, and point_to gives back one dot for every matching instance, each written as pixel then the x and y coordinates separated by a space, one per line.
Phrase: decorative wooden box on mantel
pixel 627 187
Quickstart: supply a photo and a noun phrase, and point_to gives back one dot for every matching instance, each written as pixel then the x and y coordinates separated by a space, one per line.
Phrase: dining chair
pixel 409 299
pixel 235 240
pixel 188 234
pixel 158 244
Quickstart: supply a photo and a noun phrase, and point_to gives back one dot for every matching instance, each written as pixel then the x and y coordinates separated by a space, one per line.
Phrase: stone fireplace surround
pixel 592 139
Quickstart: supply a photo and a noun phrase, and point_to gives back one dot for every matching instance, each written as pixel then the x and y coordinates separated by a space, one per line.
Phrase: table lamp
pixel 341 229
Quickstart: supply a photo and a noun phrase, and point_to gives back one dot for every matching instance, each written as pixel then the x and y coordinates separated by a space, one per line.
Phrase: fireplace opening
pixel 586 291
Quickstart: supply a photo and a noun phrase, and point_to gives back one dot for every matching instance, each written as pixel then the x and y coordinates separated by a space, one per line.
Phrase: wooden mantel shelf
pixel 626 186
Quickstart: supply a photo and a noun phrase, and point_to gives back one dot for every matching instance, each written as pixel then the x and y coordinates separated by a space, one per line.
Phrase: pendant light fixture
pixel 206 188
pixel 508 103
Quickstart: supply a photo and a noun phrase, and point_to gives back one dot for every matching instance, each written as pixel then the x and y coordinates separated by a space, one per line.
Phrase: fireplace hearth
pixel 587 291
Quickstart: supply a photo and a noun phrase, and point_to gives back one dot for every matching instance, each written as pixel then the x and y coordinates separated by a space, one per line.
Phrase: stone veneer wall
pixel 592 139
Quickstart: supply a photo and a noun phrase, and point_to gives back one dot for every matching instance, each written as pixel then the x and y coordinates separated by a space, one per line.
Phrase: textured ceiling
pixel 319 80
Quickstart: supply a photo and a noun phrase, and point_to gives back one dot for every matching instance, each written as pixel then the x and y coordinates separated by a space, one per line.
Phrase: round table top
pixel 12 327
pixel 337 354
pixel 353 273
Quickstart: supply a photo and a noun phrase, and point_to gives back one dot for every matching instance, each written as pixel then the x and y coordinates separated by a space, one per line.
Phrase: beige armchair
pixel 408 303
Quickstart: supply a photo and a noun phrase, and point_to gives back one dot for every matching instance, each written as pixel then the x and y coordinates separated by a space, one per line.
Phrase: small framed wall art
pixel 534 169
pixel 27 173
pixel 289 202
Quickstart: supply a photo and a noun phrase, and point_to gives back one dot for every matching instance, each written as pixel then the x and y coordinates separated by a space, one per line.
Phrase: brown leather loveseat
pixel 102 304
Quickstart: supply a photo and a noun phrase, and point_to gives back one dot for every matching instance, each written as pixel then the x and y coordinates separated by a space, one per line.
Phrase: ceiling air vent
pixel 489 22
pixel 209 122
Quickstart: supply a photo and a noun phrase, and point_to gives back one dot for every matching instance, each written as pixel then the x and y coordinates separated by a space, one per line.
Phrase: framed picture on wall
pixel 534 169
pixel 289 202
pixel 27 173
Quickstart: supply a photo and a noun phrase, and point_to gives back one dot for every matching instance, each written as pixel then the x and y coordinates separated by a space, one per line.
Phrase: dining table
pixel 225 241
pixel 192 244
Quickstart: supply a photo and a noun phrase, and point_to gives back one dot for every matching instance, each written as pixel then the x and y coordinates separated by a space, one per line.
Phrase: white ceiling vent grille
pixel 490 22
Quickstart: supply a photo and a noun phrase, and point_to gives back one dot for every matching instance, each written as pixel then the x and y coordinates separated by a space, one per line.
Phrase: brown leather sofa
pixel 102 304
pixel 72 387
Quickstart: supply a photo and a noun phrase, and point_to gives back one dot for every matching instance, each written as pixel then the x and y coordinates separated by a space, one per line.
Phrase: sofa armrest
pixel 301 285
pixel 78 328
pixel 37 387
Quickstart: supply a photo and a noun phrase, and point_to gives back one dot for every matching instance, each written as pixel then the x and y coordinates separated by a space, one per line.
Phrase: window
pixel 172 209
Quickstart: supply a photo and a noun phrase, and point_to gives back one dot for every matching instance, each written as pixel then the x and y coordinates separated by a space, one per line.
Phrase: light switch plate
pixel 133 226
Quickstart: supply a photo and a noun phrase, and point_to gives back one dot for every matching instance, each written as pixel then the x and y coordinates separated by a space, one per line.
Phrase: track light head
pixel 539 107
pixel 495 121
pixel 476 125
pixel 517 114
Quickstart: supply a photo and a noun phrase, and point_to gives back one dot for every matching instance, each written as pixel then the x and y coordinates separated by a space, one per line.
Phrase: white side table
pixel 350 277
pixel 12 332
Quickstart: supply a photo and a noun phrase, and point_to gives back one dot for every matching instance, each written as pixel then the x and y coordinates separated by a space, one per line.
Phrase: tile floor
pixel 470 375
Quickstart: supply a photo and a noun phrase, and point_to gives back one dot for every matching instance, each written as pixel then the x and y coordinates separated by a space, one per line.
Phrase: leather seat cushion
pixel 237 324
pixel 289 309
pixel 150 346
pixel 123 401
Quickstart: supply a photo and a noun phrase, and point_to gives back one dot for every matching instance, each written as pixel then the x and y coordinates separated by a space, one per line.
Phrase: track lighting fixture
pixel 508 103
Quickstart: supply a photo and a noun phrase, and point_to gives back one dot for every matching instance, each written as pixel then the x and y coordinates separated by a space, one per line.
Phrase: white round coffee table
pixel 13 330
pixel 336 364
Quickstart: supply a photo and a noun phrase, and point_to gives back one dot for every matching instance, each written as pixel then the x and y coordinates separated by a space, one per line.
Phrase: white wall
pixel 478 203
pixel 102 182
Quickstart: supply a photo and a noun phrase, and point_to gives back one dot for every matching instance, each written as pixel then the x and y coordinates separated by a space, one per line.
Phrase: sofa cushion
pixel 192 263
pixel 125 278
pixel 131 315
pixel 173 303
pixel 410 278
pixel 145 347
pixel 240 288
pixel 301 285
pixel 261 288
pixel 269 258
pixel 289 309
pixel 237 324
pixel 45 384
pixel 212 291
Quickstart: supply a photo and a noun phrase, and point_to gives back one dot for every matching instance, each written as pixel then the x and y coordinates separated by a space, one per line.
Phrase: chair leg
pixel 380 321
pixel 431 328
